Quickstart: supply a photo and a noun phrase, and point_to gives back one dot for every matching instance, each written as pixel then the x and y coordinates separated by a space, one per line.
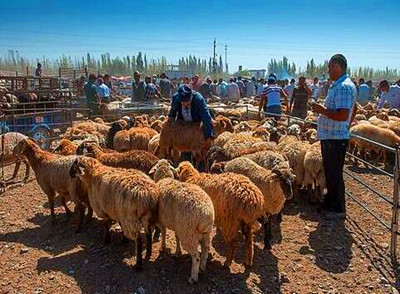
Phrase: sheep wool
pixel 127 196
pixel 237 201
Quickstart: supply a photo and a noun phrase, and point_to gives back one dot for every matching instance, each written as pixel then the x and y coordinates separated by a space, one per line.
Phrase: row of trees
pixel 284 70
pixel 113 65
pixel 127 64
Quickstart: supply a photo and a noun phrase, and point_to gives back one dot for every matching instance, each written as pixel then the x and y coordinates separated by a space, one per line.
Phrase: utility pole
pixel 214 60
pixel 226 58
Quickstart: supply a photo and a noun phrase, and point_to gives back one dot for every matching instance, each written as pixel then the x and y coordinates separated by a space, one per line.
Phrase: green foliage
pixel 126 65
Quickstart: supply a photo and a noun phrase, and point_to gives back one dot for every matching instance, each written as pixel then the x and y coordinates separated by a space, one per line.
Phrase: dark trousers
pixel 333 155
pixel 187 156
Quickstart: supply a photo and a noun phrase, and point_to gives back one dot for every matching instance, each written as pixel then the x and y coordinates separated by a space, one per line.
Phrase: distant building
pixel 258 73
pixel 174 72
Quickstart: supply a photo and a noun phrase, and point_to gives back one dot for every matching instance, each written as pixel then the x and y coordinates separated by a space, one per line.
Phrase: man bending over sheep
pixel 334 120
pixel 190 106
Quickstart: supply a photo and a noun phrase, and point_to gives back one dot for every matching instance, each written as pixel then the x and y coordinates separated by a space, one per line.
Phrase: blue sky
pixel 367 32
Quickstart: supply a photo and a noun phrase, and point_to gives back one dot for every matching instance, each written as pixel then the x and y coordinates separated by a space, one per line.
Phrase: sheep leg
pixel 64 203
pixel 249 246
pixel 27 171
pixel 309 193
pixel 149 240
pixel 16 169
pixel 89 215
pixel 157 233
pixel 205 244
pixel 178 251
pixel 267 233
pixel 107 236
pixel 139 258
pixel 194 274
pixel 163 236
pixel 50 196
pixel 81 215
pixel 231 247
pixel 279 217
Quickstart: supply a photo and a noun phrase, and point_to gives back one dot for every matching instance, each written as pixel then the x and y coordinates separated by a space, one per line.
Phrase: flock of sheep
pixel 129 172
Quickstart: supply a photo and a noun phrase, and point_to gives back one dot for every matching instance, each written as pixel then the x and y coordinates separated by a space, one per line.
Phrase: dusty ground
pixel 309 255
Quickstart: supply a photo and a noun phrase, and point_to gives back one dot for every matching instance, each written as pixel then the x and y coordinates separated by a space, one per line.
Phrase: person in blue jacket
pixel 189 105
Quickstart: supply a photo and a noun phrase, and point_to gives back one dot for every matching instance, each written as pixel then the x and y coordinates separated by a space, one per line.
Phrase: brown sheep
pixel 134 159
pixel 126 196
pixel 52 174
pixel 134 138
pixel 66 147
pixel 238 203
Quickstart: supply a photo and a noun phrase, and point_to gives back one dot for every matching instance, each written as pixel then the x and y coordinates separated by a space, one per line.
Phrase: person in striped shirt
pixel 271 97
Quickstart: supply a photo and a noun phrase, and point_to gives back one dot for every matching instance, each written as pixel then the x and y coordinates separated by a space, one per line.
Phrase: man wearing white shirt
pixel 390 94
pixel 289 89
pixel 260 87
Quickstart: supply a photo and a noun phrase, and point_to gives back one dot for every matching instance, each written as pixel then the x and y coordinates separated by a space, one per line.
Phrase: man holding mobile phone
pixel 333 124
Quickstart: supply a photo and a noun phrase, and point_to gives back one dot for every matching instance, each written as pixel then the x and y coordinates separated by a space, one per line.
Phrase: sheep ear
pixel 176 175
pixel 153 169
pixel 81 170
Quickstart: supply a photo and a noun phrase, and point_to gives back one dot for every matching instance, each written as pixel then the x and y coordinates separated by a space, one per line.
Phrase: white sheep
pixel 314 175
pixel 186 209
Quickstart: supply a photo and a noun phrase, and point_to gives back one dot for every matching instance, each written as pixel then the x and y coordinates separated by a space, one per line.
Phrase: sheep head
pixel 63 143
pixel 217 167
pixel 294 130
pixel 77 169
pixel 311 136
pixel 163 169
pixel 99 120
pixel 87 147
pixel 157 125
pixel 216 154
pixel 287 178
pixel 383 116
pixel 262 132
pixel 186 170
pixel 24 145
pixel 394 112
pixel 223 124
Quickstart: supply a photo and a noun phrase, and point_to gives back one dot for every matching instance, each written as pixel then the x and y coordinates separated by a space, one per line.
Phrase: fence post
pixel 395 211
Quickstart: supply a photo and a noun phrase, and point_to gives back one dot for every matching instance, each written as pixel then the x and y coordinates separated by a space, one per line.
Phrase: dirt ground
pixel 309 254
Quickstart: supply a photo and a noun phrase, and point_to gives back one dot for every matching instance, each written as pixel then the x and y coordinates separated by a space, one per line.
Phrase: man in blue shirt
pixel 333 124
pixel 103 91
pixel 150 90
pixel 363 92
pixel 189 105
pixel 90 91
pixel 271 98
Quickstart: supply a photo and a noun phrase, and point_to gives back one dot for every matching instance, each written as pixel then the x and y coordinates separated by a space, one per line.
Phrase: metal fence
pixel 394 203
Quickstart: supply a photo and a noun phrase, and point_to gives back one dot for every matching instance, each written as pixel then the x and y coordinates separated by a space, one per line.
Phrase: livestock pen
pixel 393 201
pixel 351 178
